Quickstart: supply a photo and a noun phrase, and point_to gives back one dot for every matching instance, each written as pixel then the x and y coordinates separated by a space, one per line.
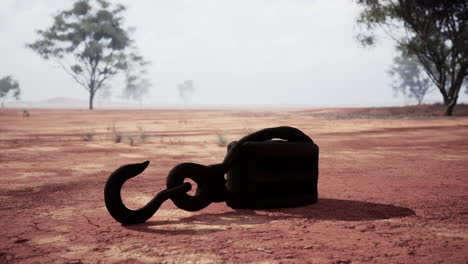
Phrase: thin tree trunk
pixel 451 106
pixel 91 99
pixel 420 99
pixel 453 93
pixel 444 94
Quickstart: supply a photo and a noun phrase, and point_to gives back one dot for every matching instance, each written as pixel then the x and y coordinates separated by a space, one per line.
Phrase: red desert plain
pixel 392 186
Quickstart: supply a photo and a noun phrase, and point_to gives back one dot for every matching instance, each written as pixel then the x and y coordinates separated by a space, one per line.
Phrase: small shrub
pixel 222 140
pixel 131 141
pixel 144 137
pixel 89 135
pixel 117 136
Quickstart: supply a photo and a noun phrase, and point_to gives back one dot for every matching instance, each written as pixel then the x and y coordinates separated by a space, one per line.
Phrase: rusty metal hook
pixel 117 208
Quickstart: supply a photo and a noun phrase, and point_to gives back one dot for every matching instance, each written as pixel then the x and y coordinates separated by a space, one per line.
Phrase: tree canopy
pixel 90 43
pixel 433 31
pixel 9 87
pixel 186 89
pixel 409 78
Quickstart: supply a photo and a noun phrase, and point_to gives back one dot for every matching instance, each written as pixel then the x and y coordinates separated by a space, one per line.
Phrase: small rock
pixel 264 250
pixel 347 261
pixel 73 261
pixel 21 241
pixel 99 249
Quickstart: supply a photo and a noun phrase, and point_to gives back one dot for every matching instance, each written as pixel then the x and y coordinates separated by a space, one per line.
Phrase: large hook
pixel 113 199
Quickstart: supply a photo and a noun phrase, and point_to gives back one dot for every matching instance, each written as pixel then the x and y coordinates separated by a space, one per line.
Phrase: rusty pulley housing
pixel 271 168
pixel 273 174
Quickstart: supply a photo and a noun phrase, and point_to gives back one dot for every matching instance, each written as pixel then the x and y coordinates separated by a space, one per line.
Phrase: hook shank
pixel 117 208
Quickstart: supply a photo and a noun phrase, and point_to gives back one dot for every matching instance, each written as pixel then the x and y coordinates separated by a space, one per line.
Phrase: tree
pixel 186 89
pixel 433 31
pixel 409 78
pixel 135 86
pixel 89 42
pixel 9 86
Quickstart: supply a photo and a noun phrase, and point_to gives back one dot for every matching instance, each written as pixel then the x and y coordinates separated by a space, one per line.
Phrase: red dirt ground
pixel 391 190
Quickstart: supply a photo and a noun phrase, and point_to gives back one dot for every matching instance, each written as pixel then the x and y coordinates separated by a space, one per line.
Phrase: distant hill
pixel 421 111
pixel 74 103
pixel 64 101
pixel 56 102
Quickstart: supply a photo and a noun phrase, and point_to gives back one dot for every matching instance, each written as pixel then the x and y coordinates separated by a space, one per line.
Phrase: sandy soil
pixel 391 190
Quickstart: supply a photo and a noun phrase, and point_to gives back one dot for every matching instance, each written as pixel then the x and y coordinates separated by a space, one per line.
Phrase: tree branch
pixel 73 75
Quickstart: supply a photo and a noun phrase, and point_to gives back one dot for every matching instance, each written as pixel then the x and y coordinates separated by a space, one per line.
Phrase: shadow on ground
pixel 325 209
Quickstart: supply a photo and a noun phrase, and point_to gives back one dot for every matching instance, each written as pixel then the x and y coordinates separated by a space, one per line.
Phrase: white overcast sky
pixel 289 52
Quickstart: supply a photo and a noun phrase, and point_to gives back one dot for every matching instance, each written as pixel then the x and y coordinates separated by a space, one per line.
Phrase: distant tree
pixel 409 78
pixel 136 87
pixel 186 89
pixel 9 87
pixel 433 31
pixel 89 43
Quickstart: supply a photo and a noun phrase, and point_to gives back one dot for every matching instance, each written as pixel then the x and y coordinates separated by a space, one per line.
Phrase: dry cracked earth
pixel 391 190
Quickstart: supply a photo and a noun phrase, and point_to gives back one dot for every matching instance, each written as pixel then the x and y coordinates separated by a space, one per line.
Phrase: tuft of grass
pixel 118 138
pixel 116 135
pixel 131 140
pixel 144 137
pixel 89 135
pixel 221 139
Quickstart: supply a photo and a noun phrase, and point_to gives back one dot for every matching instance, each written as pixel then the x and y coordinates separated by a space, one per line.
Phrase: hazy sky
pixel 298 52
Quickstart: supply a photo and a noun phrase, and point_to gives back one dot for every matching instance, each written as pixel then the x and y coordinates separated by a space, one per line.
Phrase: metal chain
pixel 210 179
